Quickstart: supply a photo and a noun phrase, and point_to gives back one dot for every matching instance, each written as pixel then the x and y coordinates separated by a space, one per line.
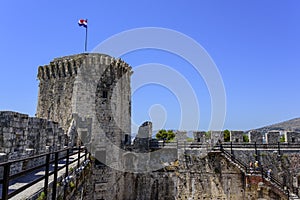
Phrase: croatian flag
pixel 83 22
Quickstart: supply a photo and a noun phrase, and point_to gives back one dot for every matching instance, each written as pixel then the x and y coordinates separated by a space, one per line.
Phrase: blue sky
pixel 255 45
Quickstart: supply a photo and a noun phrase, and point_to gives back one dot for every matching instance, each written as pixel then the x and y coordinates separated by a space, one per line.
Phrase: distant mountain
pixel 290 125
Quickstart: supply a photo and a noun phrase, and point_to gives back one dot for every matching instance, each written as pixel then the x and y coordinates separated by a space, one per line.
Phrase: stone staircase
pixel 238 165
pixel 243 168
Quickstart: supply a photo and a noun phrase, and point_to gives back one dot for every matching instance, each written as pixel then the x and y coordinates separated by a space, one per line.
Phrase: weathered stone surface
pixel 272 137
pixel 292 137
pixel 93 90
pixel 23 136
pixel 236 136
pixel 199 136
pixel 181 135
pixel 90 96
pixel 255 136
pixel 217 137
pixel 142 140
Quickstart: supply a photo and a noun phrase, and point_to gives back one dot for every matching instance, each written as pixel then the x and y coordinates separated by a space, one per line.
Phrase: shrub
pixel 42 196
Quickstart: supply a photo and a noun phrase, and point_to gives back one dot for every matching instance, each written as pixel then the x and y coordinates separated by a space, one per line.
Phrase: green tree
pixel 282 139
pixel 245 138
pixel 226 135
pixel 208 134
pixel 165 135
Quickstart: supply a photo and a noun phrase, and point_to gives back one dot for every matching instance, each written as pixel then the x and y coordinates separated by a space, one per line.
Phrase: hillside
pixel 290 125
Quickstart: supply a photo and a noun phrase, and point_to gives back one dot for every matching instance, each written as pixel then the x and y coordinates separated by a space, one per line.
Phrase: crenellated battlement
pixel 69 65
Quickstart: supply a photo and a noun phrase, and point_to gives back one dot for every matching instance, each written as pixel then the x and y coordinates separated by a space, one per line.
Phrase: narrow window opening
pixel 104 94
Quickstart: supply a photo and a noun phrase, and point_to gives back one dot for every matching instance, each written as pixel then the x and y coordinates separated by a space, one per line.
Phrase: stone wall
pixel 272 137
pixel 190 177
pixel 199 136
pixel 255 136
pixel 22 136
pixel 209 177
pixel 56 89
pixel 90 96
pixel 292 137
pixel 93 90
pixel 217 136
pixel 285 166
pixel 142 140
pixel 236 136
pixel 181 135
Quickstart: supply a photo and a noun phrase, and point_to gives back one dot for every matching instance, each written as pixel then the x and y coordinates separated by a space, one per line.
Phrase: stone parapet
pixel 69 65
pixel 199 136
pixel 22 136
pixel 217 137
pixel 142 140
pixel 255 136
pixel 236 136
pixel 292 137
pixel 272 137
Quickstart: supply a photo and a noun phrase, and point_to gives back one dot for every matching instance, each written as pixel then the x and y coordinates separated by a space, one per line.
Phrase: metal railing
pixel 185 144
pixel 49 167
pixel 248 170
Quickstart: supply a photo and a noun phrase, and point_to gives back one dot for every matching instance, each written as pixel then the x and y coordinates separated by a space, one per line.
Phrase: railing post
pixel 67 171
pixel 278 144
pixel 262 173
pixel 85 153
pixel 231 150
pixel 67 162
pixel 46 174
pixel 55 176
pixel 256 152
pixel 78 159
pixel 5 183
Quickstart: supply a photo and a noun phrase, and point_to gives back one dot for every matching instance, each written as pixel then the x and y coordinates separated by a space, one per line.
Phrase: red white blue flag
pixel 83 22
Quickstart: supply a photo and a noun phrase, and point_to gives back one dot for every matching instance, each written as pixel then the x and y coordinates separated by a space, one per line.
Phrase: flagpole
pixel 86 32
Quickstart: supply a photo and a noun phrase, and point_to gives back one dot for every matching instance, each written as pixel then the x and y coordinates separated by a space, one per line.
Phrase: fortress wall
pixel 236 136
pixel 208 177
pixel 101 105
pixel 292 137
pixel 90 95
pixel 22 136
pixel 142 140
pixel 255 136
pixel 56 89
pixel 272 137
pixel 285 167
pixel 92 88
pixel 199 136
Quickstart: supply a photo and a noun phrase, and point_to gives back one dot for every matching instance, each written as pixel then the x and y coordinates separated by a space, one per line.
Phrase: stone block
pixel 236 136
pixel 255 136
pixel 199 136
pixel 272 137
pixel 216 136
pixel 181 136
pixel 292 137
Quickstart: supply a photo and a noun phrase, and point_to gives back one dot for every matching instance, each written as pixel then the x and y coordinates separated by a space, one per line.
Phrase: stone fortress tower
pixel 89 95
